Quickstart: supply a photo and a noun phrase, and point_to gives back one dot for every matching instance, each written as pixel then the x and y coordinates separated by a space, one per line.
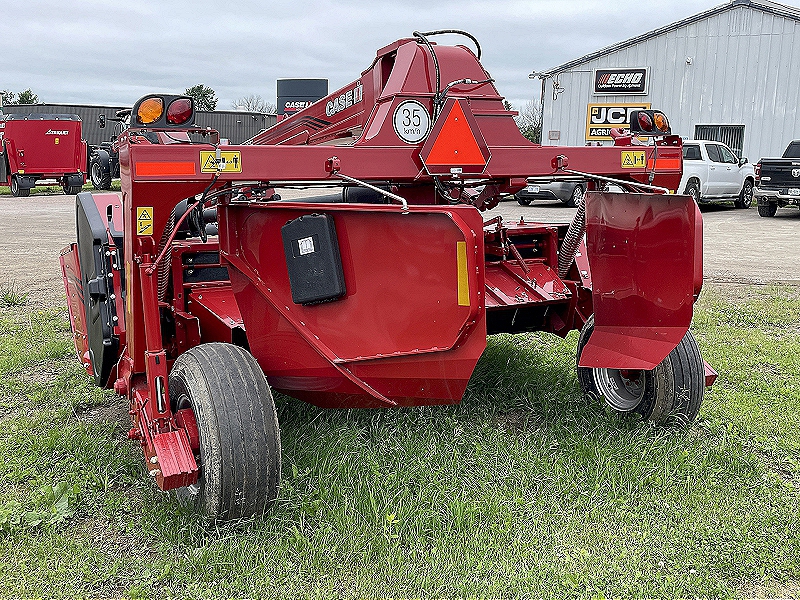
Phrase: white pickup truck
pixel 711 172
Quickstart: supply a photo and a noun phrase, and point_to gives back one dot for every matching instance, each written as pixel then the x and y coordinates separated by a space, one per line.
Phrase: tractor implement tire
pixel 17 191
pixel 767 210
pixel 670 393
pixel 72 190
pixel 523 201
pixel 100 180
pixel 240 446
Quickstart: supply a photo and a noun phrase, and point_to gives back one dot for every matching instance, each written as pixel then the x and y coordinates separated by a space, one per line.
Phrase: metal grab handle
pixel 375 189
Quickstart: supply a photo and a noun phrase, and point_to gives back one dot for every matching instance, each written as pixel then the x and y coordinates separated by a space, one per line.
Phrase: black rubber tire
pixel 72 190
pixel 767 210
pixel 99 179
pixel 523 201
pixel 240 445
pixel 670 393
pixel 575 198
pixel 17 191
pixel 693 190
pixel 745 196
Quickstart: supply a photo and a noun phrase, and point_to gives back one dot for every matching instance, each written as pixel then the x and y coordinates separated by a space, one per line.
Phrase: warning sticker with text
pixel 633 159
pixel 228 162
pixel 144 220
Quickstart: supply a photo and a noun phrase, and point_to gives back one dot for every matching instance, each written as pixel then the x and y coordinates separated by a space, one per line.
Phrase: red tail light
pixel 645 122
pixel 179 111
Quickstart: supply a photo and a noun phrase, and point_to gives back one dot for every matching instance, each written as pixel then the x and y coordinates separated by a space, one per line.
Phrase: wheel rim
pixel 193 490
pixel 96 173
pixel 623 389
pixel 747 196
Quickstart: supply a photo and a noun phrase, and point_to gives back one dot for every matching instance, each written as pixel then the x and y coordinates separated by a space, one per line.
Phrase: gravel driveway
pixel 740 246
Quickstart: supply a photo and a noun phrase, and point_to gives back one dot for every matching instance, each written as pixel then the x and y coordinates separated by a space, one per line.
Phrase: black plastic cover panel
pixel 93 245
pixel 313 259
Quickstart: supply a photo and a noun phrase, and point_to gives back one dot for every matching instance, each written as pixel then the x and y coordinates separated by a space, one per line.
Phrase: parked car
pixel 711 172
pixel 778 181
pixel 569 192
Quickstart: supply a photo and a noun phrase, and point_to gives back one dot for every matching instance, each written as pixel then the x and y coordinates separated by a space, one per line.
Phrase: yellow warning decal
pixel 228 162
pixel 463 277
pixel 633 159
pixel 144 220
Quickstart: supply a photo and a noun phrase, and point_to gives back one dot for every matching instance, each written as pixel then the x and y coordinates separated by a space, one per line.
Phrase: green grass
pixel 12 295
pixel 52 190
pixel 525 489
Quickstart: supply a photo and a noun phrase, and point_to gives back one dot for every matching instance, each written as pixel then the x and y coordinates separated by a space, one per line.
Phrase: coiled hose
pixel 166 265
pixel 566 254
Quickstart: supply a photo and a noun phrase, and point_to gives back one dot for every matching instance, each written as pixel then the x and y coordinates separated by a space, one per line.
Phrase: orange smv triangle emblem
pixel 456 144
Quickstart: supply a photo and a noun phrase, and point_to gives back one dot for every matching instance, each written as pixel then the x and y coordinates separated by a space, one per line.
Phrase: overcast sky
pixel 108 52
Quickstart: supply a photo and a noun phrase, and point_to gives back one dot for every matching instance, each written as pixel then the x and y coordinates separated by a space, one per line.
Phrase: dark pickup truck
pixel 778 181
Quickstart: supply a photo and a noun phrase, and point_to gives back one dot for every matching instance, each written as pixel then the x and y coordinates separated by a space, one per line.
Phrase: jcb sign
pixel 601 118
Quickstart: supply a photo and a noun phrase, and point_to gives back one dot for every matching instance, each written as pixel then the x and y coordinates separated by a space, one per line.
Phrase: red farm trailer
pixel 41 146
pixel 201 289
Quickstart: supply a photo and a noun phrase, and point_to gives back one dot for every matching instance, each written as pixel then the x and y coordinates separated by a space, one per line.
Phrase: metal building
pixel 727 74
pixel 235 125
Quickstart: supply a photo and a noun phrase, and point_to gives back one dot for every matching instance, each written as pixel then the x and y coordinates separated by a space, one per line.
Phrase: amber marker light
pixel 150 111
pixel 179 111
pixel 661 122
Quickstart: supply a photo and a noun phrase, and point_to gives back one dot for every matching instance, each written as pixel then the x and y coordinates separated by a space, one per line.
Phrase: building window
pixel 730 135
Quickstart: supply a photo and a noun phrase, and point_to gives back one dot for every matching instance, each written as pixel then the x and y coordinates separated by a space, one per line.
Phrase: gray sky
pixel 106 52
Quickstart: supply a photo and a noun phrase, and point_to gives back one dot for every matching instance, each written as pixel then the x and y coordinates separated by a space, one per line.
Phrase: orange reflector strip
pixel 463 276
pixel 149 169
pixel 665 164
pixel 456 144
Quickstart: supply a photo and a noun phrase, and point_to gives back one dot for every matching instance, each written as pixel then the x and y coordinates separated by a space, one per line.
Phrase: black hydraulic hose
pixel 457 32
pixel 424 40
pixel 566 254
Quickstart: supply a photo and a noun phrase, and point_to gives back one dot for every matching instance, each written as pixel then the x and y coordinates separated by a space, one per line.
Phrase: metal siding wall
pixel 740 75
pixel 237 126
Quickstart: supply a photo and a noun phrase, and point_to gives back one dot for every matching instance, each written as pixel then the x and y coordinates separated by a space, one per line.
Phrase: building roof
pixel 774 8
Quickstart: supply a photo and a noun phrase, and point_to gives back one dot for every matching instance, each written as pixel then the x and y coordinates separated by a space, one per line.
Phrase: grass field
pixel 525 489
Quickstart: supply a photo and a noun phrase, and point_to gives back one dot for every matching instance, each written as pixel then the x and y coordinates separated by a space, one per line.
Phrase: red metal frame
pixel 424 284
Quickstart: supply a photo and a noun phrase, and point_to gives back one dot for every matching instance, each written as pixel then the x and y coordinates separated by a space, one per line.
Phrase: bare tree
pixel 254 103
pixel 529 122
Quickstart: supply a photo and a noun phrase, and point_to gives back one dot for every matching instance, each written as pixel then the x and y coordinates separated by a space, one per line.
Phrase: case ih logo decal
pixel 345 100
pixel 293 106
pixel 57 132
pixel 601 118
pixel 620 81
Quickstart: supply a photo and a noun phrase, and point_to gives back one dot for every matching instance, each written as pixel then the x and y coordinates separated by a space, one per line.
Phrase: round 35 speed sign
pixel 411 121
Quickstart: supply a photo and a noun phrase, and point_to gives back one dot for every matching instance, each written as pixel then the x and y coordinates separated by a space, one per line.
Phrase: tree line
pixel 24 97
